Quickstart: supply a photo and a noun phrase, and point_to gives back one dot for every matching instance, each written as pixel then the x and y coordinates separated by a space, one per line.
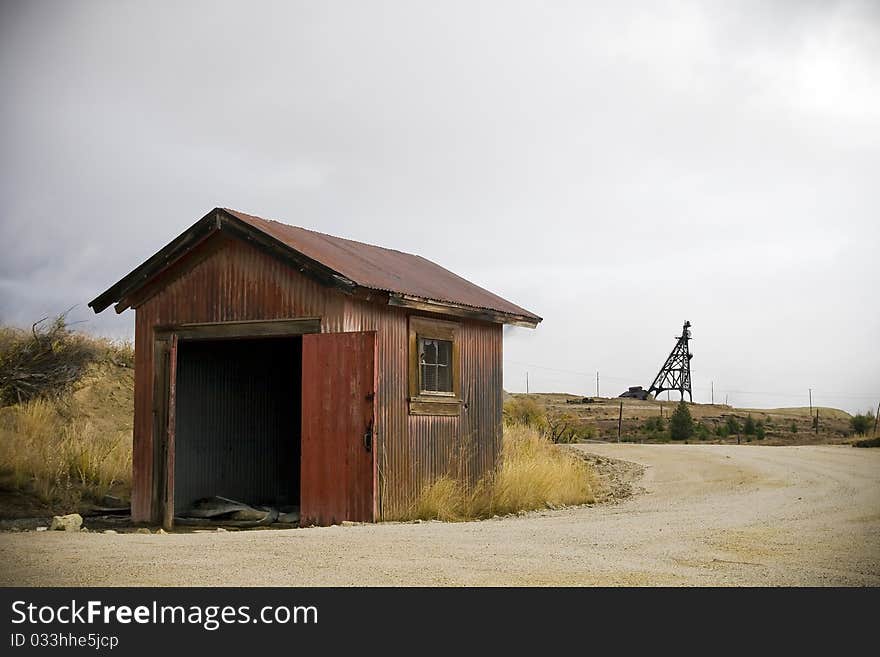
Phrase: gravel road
pixel 707 515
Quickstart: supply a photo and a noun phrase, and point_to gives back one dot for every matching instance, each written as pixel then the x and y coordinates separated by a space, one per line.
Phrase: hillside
pixel 782 426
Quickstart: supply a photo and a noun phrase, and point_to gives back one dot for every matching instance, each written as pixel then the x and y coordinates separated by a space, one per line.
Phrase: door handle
pixel 368 438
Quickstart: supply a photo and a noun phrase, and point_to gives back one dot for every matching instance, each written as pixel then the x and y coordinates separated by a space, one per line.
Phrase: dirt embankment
pixel 709 515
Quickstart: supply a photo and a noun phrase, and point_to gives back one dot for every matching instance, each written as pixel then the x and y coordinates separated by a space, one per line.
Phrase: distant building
pixel 635 392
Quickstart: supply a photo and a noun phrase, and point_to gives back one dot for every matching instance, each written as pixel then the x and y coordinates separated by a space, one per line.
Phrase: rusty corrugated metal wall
pixel 238 282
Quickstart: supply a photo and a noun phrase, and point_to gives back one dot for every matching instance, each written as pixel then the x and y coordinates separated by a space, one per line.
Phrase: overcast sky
pixel 614 167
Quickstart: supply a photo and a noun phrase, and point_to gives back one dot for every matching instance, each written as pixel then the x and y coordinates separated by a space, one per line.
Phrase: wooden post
pixel 527 383
pixel 619 421
pixel 817 421
pixel 597 383
pixel 713 393
pixel 811 401
pixel 876 417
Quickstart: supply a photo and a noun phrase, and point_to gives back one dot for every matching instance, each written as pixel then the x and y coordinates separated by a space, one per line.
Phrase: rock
pixel 161 531
pixel 70 523
pixel 348 523
pixel 42 529
pixel 221 529
pixel 143 530
pixel 85 530
pixel 109 531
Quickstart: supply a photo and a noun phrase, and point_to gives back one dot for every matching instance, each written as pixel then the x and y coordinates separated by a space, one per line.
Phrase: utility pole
pixel 527 383
pixel 619 421
pixel 811 401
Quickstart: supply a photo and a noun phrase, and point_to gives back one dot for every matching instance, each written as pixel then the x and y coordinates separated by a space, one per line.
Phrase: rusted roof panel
pixel 384 269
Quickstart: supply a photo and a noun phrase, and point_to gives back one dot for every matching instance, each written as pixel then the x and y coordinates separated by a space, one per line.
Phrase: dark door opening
pixel 238 421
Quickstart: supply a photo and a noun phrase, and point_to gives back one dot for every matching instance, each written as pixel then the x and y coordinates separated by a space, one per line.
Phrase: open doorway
pixel 238 421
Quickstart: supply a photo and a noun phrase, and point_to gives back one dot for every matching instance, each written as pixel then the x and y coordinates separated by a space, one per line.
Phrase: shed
pixel 277 365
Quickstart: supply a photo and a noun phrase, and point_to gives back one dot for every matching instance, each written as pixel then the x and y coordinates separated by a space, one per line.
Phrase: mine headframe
pixel 676 371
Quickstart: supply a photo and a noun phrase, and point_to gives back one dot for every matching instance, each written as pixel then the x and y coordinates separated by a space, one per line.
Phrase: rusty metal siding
pixel 417 449
pixel 238 283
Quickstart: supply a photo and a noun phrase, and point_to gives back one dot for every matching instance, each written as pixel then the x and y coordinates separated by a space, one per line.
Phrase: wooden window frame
pixel 441 403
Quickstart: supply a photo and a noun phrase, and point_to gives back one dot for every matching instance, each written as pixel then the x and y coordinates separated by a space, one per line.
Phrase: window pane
pixel 435 365
pixel 444 352
pixel 444 378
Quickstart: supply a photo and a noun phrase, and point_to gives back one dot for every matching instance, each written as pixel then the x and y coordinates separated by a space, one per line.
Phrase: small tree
pixel 793 426
pixel 749 426
pixel 733 427
pixel 563 427
pixel 861 423
pixel 681 424
pixel 759 430
pixel 701 431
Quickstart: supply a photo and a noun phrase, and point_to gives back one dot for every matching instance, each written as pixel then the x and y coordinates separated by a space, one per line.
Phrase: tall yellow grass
pixel 533 474
pixel 46 448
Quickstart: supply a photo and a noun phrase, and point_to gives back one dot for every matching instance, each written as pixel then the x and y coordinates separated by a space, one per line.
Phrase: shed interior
pixel 238 421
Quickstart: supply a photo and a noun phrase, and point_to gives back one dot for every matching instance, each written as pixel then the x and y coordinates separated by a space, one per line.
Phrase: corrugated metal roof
pixel 387 270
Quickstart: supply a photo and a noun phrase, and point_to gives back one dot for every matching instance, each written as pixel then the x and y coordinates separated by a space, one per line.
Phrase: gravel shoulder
pixel 699 515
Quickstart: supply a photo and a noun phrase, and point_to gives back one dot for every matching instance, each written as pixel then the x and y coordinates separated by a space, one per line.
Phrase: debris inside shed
pixel 217 510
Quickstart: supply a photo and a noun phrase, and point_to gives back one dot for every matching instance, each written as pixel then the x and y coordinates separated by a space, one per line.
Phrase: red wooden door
pixel 338 464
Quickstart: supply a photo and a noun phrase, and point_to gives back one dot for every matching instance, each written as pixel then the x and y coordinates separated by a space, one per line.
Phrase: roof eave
pixel 216 220
pixel 459 310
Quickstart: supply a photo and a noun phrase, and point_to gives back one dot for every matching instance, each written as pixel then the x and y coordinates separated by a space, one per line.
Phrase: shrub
pixel 681 425
pixel 733 426
pixel 49 358
pixel 793 427
pixel 533 474
pixel 759 430
pixel 563 427
pixel 654 424
pixel 749 426
pixel 525 411
pixel 722 431
pixel 701 431
pixel 862 423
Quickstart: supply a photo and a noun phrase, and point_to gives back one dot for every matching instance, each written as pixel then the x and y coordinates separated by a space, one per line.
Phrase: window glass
pixel 435 365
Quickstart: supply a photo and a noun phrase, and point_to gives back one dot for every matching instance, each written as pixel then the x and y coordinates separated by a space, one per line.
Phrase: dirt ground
pixel 700 515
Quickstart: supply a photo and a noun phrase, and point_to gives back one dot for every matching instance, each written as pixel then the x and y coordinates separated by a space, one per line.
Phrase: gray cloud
pixel 615 167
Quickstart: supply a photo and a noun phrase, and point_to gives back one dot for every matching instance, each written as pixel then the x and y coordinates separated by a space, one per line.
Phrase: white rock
pixel 71 522
pixel 109 531
pixel 42 529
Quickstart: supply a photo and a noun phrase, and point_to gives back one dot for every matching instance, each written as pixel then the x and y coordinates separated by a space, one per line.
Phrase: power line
pixel 728 391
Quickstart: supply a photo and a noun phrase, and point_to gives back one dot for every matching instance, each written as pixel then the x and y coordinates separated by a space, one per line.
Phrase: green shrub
pixel 733 426
pixel 681 424
pixel 701 431
pixel 749 426
pixel 862 423
pixel 722 431
pixel 654 424
pixel 793 427
pixel 759 430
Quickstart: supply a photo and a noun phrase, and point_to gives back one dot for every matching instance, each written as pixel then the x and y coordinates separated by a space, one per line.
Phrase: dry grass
pixel 47 449
pixel 533 474
pixel 65 431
